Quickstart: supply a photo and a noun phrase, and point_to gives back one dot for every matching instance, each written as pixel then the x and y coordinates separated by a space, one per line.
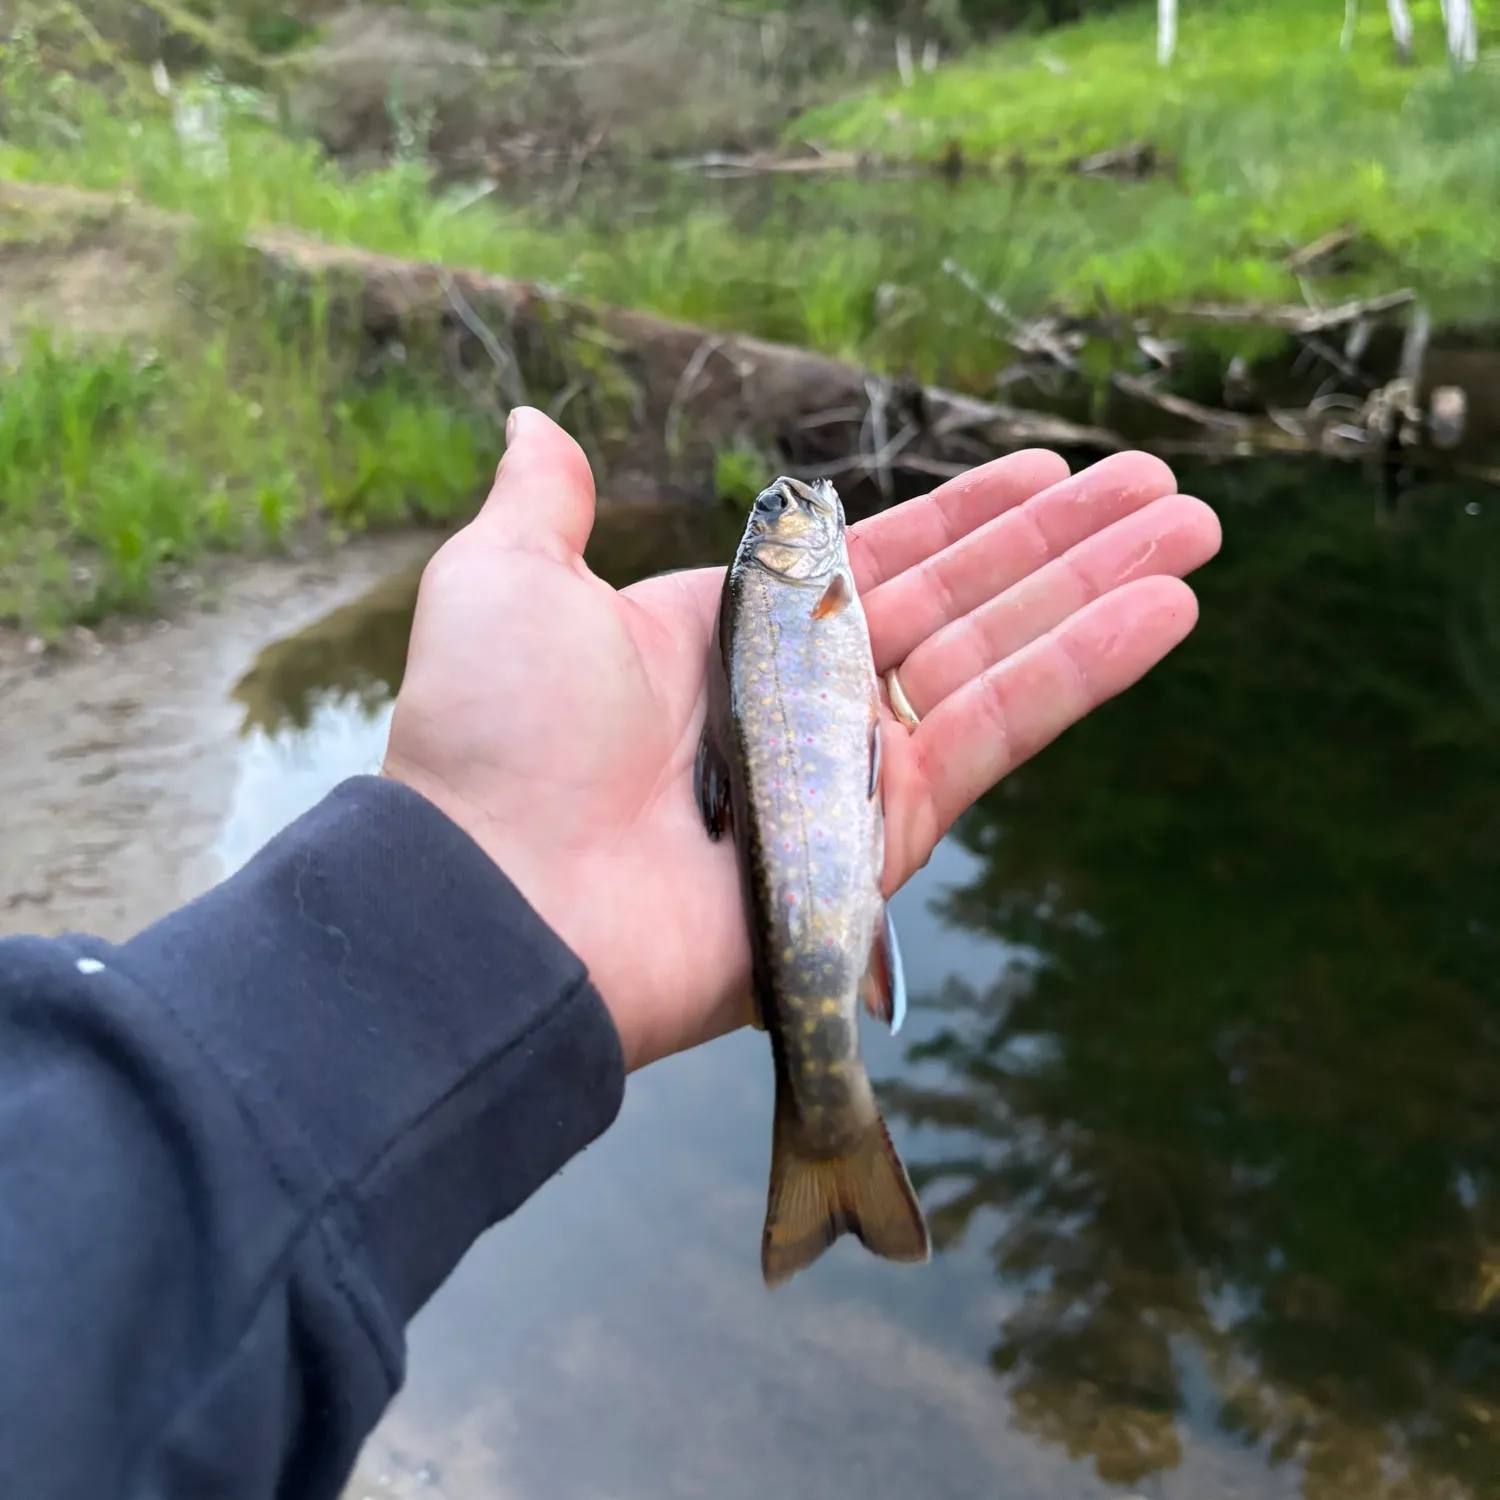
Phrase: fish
pixel 789 766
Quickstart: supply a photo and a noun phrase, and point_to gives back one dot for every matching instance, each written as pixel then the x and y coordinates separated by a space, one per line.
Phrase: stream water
pixel 1201 1085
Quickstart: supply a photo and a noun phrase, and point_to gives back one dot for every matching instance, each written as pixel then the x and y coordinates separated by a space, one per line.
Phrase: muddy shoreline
pixel 117 760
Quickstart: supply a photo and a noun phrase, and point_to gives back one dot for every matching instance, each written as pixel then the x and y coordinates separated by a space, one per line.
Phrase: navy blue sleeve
pixel 238 1152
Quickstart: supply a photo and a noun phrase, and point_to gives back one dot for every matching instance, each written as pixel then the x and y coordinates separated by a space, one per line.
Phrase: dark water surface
pixel 1201 1086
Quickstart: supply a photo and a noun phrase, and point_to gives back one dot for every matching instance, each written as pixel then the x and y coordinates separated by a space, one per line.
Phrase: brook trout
pixel 790 763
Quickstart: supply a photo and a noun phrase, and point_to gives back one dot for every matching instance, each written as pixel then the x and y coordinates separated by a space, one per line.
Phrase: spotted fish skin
pixel 790 759
pixel 805 709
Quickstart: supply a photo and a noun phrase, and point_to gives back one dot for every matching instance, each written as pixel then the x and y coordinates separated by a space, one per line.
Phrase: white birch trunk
pixel 903 59
pixel 1166 31
pixel 1463 37
pixel 1351 19
pixel 1401 27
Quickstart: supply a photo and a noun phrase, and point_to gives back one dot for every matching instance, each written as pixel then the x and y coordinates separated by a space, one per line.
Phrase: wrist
pixel 552 895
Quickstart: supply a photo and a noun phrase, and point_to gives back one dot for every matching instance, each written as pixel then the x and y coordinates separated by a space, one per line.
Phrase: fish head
pixel 796 530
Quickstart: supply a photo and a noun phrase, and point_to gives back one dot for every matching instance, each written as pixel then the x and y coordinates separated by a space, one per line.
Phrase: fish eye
pixel 775 501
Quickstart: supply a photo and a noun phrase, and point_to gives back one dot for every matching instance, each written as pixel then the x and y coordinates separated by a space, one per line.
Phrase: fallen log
pixel 654 401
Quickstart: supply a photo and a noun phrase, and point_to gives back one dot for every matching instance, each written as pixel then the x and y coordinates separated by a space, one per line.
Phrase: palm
pixel 562 725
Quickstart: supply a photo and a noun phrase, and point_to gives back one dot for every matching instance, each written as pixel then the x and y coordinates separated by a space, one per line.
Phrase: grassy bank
pixel 846 266
pixel 126 468
pixel 1271 138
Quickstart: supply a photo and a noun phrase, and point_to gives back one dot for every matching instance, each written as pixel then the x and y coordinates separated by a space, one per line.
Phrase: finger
pixel 916 604
pixel 889 543
pixel 543 496
pixel 1001 718
pixel 1171 537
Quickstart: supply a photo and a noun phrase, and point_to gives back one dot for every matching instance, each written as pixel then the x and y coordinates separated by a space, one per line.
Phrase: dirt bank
pixel 117 762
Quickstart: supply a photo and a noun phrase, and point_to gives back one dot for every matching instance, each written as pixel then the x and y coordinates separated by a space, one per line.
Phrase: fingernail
pixel 516 422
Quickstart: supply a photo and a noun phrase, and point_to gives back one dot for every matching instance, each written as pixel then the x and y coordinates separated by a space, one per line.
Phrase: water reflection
pixel 1201 1088
pixel 1262 1131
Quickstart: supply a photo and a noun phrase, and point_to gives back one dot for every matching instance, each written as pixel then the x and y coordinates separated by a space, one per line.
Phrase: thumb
pixel 543 495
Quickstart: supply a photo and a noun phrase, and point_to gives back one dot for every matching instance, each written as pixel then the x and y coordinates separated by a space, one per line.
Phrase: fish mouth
pixel 818 499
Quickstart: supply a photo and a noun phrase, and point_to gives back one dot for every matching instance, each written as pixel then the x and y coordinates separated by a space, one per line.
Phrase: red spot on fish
pixel 809 739
pixel 830 942
pixel 823 696
pixel 786 843
pixel 791 898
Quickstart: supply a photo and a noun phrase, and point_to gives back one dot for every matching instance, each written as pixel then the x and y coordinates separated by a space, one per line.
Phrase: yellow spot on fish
pixel 788 953
pixel 811 1067
pixel 810 1025
pixel 835 1070
pixel 830 1007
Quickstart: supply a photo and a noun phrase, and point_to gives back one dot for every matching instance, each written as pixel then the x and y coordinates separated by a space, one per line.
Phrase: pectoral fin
pixel 837 597
pixel 711 785
pixel 884 984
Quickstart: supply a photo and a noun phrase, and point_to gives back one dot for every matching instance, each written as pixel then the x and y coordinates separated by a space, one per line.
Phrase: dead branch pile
pixel 1353 413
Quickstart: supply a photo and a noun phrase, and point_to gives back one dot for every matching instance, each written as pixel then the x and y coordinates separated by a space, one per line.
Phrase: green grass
pixel 123 467
pixel 120 470
pixel 848 267
pixel 1275 137
pixel 853 268
pixel 741 472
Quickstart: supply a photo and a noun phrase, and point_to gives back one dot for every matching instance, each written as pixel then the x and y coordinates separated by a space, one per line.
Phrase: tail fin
pixel 815 1200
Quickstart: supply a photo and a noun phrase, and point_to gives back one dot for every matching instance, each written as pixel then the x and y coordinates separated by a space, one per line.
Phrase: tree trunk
pixel 1166 31
pixel 903 59
pixel 1351 19
pixel 1401 28
pixel 1463 39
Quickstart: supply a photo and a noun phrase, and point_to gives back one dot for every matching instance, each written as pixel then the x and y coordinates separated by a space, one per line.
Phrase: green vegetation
pixel 125 466
pixel 1273 139
pixel 741 472
pixel 1270 138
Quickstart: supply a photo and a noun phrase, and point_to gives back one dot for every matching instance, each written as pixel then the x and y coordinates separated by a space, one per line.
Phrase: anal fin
pixel 884 984
pixel 813 1200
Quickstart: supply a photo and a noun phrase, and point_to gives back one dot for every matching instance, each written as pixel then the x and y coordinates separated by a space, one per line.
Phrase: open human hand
pixel 556 719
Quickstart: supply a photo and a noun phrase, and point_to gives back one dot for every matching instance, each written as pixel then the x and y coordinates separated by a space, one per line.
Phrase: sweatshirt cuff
pixel 416 1049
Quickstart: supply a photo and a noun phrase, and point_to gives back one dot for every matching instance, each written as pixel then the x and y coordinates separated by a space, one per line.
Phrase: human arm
pixel 238 1152
pixel 360 994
